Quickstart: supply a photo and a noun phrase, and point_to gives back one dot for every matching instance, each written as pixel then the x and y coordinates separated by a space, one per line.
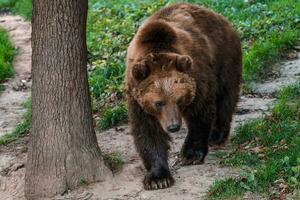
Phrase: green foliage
pixel 268 149
pixel 23 8
pixel 112 116
pixel 6 4
pixel 20 7
pixel 21 128
pixel 6 56
pixel 114 161
pixel 264 52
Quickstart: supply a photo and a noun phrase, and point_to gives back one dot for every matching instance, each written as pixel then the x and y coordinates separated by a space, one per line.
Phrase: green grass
pixel 20 7
pixel 226 189
pixel 6 56
pixel 265 52
pixel 23 8
pixel 6 4
pixel 268 150
pixel 21 128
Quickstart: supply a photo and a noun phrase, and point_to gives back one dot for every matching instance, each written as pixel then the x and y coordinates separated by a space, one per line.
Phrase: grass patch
pixel 268 150
pixel 21 128
pixel 23 8
pixel 114 161
pixel 19 7
pixel 265 52
pixel 6 4
pixel 225 189
pixel 6 56
pixel 112 116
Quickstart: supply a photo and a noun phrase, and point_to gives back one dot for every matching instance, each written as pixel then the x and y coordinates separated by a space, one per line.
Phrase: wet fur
pixel 214 48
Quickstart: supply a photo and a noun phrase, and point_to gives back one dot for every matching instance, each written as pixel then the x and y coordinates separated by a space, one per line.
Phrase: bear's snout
pixel 173 128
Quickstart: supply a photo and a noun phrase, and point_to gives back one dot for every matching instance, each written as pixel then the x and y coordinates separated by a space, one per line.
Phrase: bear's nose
pixel 173 128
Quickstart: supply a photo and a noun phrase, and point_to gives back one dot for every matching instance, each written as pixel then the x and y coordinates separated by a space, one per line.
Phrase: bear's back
pixel 186 16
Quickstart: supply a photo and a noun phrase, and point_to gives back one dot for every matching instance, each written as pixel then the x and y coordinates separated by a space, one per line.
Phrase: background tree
pixel 63 150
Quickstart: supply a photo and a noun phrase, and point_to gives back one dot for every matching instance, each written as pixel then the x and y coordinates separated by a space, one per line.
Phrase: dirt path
pixel 17 88
pixel 192 182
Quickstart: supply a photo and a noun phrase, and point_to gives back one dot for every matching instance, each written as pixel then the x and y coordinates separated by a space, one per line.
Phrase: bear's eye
pixel 159 104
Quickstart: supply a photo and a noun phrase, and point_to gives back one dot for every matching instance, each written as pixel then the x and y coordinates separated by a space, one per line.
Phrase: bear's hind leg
pixel 195 147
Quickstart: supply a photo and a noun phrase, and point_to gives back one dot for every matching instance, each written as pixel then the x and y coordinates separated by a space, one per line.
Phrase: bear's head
pixel 163 87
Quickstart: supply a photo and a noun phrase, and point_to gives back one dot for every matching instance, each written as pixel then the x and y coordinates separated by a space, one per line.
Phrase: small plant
pixel 20 7
pixel 114 161
pixel 82 182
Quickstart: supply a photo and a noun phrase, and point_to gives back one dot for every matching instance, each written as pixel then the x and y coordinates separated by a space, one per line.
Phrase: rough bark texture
pixel 63 150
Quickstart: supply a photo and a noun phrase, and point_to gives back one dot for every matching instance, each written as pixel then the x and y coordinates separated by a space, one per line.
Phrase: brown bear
pixel 184 63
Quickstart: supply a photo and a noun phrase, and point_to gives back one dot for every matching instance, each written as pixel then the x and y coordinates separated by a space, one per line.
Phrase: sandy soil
pixel 17 88
pixel 192 182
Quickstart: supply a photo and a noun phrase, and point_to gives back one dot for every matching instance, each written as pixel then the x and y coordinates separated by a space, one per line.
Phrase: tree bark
pixel 63 150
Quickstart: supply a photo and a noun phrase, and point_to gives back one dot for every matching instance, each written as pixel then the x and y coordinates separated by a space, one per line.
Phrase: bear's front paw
pixel 193 156
pixel 158 179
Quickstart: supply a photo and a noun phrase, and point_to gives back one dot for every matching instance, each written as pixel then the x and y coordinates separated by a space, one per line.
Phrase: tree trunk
pixel 63 150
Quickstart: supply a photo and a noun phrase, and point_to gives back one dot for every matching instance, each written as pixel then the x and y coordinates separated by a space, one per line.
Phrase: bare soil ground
pixel 192 182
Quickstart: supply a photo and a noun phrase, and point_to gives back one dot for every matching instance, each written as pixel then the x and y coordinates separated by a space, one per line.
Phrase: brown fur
pixel 184 62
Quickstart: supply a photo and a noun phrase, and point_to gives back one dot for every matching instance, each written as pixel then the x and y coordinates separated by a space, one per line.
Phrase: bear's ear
pixel 157 33
pixel 140 71
pixel 184 63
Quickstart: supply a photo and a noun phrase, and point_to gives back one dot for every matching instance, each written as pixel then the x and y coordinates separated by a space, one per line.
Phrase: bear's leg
pixel 153 149
pixel 225 107
pixel 152 145
pixel 195 146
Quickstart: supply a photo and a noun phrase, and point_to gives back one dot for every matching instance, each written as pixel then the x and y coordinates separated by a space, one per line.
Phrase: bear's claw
pixel 158 184
pixel 194 161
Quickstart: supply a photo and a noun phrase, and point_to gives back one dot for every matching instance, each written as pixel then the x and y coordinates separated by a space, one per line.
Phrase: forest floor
pixel 192 182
